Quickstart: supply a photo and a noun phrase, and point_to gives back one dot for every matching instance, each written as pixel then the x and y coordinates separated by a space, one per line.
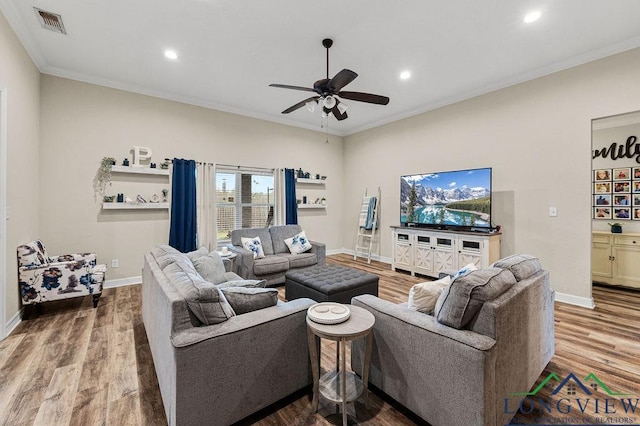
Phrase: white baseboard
pixel 585 302
pixel 353 252
pixel 13 322
pixel 121 282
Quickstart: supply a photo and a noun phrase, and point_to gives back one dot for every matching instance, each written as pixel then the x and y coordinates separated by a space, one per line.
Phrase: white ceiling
pixel 230 51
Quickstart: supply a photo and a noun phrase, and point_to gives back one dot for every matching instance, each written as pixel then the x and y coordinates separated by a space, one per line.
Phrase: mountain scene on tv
pixel 461 198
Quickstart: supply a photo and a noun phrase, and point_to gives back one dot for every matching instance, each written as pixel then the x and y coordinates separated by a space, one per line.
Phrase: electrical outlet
pixel 115 263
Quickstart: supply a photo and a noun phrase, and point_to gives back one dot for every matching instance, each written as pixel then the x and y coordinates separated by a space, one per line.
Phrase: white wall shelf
pixel 312 206
pixel 140 170
pixel 136 206
pixel 311 181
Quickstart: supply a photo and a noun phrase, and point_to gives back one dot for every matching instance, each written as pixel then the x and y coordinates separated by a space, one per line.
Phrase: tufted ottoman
pixel 329 283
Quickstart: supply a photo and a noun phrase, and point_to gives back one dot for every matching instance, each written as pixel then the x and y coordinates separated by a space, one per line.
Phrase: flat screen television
pixel 459 199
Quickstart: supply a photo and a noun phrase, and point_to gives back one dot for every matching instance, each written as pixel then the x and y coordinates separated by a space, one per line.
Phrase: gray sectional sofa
pixel 218 374
pixel 461 376
pixel 278 260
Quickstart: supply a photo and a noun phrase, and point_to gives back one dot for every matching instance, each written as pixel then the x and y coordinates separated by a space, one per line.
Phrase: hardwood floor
pixel 69 363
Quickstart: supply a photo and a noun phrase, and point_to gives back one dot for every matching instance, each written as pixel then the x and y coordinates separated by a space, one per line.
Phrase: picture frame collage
pixel 616 193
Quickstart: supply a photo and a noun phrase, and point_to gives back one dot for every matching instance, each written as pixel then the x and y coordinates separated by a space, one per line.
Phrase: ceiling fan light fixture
pixel 329 102
pixel 342 107
pixel 311 106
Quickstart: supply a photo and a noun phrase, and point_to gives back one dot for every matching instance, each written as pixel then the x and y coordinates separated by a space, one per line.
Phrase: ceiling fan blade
pixel 365 97
pixel 300 104
pixel 286 86
pixel 339 115
pixel 340 80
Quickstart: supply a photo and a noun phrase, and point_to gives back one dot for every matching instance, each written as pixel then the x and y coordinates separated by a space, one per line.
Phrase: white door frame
pixel 3 210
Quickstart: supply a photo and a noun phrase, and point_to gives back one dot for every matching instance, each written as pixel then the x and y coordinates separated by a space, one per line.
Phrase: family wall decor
pixel 616 193
pixel 620 152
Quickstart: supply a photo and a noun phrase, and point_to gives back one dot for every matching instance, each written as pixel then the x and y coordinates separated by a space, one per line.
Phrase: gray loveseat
pixel 462 376
pixel 219 374
pixel 278 260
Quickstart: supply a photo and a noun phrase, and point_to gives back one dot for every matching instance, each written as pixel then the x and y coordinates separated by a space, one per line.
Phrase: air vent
pixel 50 21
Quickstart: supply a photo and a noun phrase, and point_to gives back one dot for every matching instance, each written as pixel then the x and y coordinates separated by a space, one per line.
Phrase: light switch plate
pixel 553 211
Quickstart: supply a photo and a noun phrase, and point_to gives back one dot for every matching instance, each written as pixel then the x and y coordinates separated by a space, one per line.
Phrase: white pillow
pixel 423 296
pixel 255 245
pixel 298 243
pixel 465 270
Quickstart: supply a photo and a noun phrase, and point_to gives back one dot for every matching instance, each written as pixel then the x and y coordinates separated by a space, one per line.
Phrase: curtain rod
pixel 228 166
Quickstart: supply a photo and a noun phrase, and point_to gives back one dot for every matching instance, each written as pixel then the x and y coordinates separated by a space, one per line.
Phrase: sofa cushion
pixel 521 265
pixel 163 249
pixel 253 245
pixel 243 283
pixel 423 296
pixel 203 298
pixel 461 301
pixel 298 243
pixel 270 265
pixel 301 260
pixel 281 233
pixel 210 267
pixel 247 299
pixel 263 233
pixel 169 258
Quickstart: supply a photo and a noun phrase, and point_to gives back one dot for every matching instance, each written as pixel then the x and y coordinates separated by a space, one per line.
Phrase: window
pixel 244 199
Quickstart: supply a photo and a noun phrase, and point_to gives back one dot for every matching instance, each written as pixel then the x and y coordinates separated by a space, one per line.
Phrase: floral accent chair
pixel 43 278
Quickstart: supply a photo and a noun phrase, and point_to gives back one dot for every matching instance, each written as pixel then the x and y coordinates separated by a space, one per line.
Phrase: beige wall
pixel 537 138
pixel 81 123
pixel 21 79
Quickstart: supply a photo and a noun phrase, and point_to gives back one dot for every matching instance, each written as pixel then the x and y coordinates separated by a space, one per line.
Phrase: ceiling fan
pixel 329 89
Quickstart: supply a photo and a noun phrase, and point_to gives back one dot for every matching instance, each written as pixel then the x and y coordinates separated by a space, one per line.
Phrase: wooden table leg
pixel 315 367
pixel 365 369
pixel 343 373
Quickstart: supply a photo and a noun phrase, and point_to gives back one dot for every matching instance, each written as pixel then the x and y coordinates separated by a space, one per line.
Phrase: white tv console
pixel 431 251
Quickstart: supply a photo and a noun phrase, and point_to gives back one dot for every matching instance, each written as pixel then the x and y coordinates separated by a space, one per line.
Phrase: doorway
pixel 615 180
pixel 3 209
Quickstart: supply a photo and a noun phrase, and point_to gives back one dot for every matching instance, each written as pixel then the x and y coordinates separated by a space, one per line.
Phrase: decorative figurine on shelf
pixel 165 193
pixel 155 198
pixel 323 201
pixel 300 173
pixel 317 176
pixel 120 198
pixel 108 198
pixel 140 153
pixel 125 162
pixel 140 199
pixel 165 165
pixel 307 175
pixel 152 165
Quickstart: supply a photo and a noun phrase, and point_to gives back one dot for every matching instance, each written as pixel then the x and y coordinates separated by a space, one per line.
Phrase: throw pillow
pixel 465 270
pixel 244 283
pixel 521 265
pixel 254 245
pixel 298 243
pixel 423 296
pixel 246 299
pixel 461 301
pixel 202 251
pixel 210 267
pixel 205 300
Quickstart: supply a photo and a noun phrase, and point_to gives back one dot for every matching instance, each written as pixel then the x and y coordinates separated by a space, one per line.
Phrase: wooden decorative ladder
pixel 365 237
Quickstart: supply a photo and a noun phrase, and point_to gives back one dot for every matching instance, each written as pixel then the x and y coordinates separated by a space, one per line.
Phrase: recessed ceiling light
pixel 532 16
pixel 171 54
pixel 405 75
